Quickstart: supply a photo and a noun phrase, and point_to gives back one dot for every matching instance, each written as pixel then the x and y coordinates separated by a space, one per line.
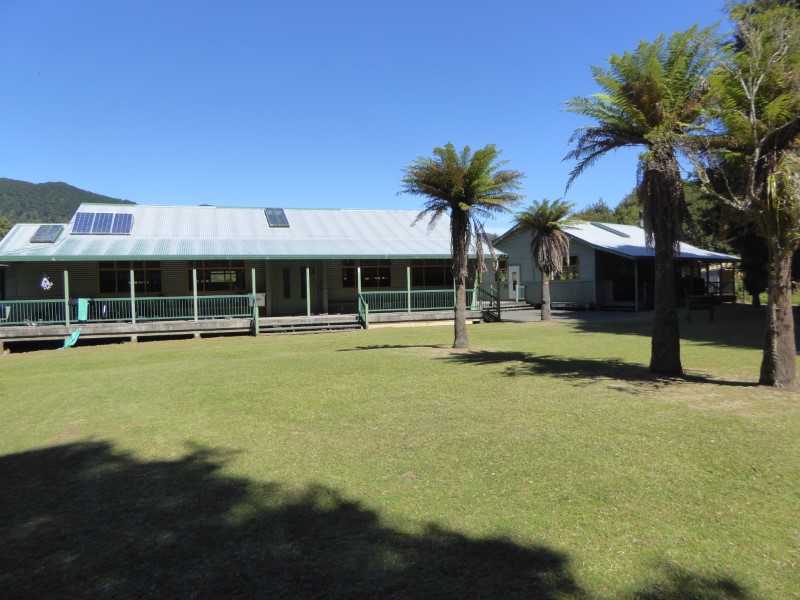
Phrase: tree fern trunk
pixel 661 194
pixel 665 347
pixel 460 326
pixel 779 363
pixel 546 309
pixel 459 243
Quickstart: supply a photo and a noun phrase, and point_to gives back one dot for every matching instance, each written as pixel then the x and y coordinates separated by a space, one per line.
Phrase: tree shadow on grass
pixel 583 371
pixel 676 583
pixel 84 520
pixel 394 347
pixel 734 325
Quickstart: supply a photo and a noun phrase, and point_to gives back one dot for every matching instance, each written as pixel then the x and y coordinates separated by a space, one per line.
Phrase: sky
pixel 308 104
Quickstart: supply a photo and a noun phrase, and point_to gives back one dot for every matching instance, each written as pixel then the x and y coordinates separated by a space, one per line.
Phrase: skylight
pixel 276 217
pixel 47 234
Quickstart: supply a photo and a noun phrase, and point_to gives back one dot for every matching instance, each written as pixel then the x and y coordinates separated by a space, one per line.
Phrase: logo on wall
pixel 46 284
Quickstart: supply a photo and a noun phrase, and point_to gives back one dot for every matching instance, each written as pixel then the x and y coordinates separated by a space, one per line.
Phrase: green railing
pixel 99 310
pixel 33 312
pixel 413 300
pixel 106 309
pixel 224 306
pixel 363 312
pixel 489 301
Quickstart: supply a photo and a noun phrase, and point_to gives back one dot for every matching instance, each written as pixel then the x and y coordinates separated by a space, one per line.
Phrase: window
pixel 287 283
pixel 570 272
pixel 115 276
pixel 276 217
pixel 374 273
pixel 219 276
pixel 432 273
pixel 502 271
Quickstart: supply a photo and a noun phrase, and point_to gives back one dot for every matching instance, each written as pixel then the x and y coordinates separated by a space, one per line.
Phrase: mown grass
pixel 545 462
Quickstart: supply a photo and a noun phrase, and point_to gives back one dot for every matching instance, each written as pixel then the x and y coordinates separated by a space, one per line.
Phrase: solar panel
pixel 123 222
pixel 276 217
pixel 83 223
pixel 102 222
pixel 47 234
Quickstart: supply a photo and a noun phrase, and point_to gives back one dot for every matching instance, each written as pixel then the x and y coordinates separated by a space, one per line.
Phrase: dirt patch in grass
pixel 748 400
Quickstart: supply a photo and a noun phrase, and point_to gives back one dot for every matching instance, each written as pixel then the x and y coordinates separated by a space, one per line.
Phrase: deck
pixel 12 335
pixel 43 321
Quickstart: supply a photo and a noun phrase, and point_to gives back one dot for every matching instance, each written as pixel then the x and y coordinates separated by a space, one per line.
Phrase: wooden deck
pixel 127 331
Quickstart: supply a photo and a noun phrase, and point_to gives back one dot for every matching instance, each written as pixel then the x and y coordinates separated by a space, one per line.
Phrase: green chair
pixel 70 341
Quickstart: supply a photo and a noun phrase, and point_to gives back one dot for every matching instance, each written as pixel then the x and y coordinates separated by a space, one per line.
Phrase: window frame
pixel 423 270
pixel 571 271
pixel 230 275
pixel 372 270
pixel 145 280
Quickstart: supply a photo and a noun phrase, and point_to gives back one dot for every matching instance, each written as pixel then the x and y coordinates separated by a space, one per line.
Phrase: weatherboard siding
pixel 175 278
pixel 581 291
pixel 23 280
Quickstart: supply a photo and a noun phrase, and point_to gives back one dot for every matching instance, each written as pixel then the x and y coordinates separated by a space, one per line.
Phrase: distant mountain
pixel 23 202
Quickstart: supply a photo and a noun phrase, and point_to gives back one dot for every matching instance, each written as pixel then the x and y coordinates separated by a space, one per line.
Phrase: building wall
pixel 328 295
pixel 580 291
pixel 340 298
pixel 23 280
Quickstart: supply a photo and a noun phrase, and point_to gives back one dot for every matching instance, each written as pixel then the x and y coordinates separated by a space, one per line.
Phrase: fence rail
pixel 414 300
pixel 489 301
pixel 101 310
pixel 27 312
pixel 363 311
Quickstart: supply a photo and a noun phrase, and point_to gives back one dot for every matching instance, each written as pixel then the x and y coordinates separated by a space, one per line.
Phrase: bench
pixel 703 302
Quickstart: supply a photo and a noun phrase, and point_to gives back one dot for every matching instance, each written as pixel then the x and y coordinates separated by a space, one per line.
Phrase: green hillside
pixel 23 202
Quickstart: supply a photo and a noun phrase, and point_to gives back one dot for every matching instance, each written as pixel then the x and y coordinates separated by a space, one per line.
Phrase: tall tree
pixel 5 225
pixel 470 187
pixel 599 211
pixel 652 98
pixel 754 161
pixel 549 244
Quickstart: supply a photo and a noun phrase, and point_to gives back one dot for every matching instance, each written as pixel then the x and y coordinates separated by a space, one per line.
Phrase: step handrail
pixel 490 302
pixel 363 311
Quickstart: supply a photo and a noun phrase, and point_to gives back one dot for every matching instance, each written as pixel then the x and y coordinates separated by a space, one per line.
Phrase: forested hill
pixel 23 202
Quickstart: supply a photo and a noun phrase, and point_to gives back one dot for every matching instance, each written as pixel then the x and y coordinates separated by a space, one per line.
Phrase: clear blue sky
pixel 309 103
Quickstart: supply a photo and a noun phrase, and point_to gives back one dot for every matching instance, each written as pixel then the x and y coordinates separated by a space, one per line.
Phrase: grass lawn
pixel 543 463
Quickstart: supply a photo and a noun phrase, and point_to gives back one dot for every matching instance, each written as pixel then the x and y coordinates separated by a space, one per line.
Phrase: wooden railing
pixel 99 310
pixel 33 312
pixel 489 302
pixel 413 300
pixel 363 311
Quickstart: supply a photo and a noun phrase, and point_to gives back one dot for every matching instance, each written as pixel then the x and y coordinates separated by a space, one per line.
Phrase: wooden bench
pixel 699 303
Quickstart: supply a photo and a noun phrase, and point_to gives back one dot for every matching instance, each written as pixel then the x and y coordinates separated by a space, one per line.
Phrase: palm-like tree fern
pixel 549 243
pixel 754 162
pixel 653 99
pixel 469 187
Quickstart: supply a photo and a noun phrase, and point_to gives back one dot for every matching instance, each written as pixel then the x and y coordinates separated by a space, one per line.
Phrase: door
pixel 289 289
pixel 513 281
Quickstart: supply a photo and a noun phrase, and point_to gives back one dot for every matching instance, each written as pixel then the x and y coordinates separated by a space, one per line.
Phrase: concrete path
pixel 592 316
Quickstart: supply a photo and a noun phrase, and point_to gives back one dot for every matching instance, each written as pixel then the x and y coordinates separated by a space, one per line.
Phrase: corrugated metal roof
pixel 629 241
pixel 182 232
